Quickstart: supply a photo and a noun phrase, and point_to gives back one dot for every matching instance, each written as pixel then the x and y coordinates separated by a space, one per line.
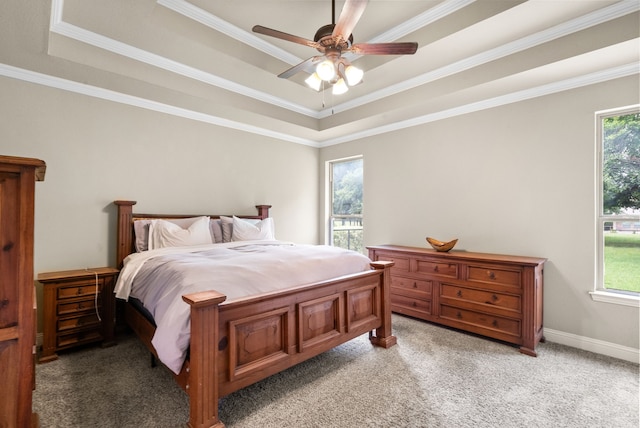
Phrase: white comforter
pixel 160 277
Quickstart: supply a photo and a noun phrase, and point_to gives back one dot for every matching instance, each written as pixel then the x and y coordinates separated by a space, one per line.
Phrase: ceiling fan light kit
pixel 331 41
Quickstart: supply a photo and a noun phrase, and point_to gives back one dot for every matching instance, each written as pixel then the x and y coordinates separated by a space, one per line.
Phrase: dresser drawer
pixel 494 323
pixel 401 263
pixel 494 300
pixel 436 268
pixel 494 275
pixel 421 287
pixel 409 305
pixel 76 307
pixel 85 321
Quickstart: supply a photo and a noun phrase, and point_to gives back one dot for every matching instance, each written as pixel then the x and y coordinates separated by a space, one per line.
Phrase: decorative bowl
pixel 441 246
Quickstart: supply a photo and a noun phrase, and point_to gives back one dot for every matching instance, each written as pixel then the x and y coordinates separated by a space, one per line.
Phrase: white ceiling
pixel 199 59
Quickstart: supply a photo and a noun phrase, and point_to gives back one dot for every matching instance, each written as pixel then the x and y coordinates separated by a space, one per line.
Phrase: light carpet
pixel 434 377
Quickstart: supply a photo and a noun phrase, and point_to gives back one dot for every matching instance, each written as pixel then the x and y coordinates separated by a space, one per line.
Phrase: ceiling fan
pixel 332 41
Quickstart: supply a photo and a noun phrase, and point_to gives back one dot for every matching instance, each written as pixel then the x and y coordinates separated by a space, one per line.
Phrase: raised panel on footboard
pixel 319 320
pixel 363 306
pixel 257 342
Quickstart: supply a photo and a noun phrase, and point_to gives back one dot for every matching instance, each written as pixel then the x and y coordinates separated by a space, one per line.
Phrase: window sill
pixel 616 298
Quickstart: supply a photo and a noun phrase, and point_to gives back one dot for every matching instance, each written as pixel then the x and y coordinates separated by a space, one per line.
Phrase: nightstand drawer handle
pixel 79 292
pixel 491 274
pixel 459 293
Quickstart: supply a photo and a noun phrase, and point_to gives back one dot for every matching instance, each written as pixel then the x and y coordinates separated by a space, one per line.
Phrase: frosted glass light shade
pixel 340 87
pixel 353 75
pixel 326 70
pixel 314 81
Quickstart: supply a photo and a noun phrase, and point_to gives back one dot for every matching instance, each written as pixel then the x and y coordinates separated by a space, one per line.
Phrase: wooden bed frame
pixel 235 344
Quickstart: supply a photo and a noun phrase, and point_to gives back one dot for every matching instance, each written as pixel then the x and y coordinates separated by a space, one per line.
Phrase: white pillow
pixel 249 231
pixel 164 233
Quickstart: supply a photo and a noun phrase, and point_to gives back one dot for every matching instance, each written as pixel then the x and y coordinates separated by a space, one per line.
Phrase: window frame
pixel 330 215
pixel 600 293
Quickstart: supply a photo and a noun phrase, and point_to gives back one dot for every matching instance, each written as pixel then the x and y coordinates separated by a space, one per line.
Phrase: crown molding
pixel 118 97
pixel 514 97
pixel 106 94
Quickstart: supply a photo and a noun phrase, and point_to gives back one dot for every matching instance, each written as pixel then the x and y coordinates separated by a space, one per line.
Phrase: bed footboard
pixel 259 336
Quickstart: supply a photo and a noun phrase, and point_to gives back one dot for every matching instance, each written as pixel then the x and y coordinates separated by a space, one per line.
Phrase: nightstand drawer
pixel 86 321
pixel 68 340
pixel 76 307
pixel 80 290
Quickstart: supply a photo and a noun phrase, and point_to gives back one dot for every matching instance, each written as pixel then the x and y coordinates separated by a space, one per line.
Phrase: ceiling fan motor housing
pixel 324 36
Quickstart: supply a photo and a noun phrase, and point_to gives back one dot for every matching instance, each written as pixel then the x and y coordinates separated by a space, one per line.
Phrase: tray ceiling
pixel 199 59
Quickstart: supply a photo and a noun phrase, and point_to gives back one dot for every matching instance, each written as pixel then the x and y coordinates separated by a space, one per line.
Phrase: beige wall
pixel 518 179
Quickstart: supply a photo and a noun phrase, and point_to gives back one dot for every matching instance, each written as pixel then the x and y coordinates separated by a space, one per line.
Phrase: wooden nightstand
pixel 79 308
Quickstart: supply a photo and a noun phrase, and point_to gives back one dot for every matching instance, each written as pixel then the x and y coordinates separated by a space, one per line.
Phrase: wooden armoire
pixel 17 290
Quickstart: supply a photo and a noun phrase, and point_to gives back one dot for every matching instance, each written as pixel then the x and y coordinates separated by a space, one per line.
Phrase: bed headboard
pixel 125 243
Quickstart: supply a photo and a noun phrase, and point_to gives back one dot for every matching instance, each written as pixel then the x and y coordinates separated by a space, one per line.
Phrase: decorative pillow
pixel 164 233
pixel 226 223
pixel 246 231
pixel 216 230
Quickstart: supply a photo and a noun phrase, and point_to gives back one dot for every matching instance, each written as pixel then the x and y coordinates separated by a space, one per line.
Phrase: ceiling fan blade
pixel 307 66
pixel 399 48
pixel 284 36
pixel 349 17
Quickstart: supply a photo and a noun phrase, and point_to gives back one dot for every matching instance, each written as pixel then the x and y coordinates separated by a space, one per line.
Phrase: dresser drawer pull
pixel 494 323
pixel 459 293
pixel 79 292
pixel 415 284
pixel 414 304
pixel 459 315
pixel 491 274
pixel 435 268
pixel 494 297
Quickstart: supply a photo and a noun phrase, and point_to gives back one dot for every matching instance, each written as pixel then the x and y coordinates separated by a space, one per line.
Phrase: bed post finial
pixel 125 235
pixel 263 211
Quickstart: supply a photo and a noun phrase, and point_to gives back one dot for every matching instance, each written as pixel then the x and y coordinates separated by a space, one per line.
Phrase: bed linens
pixel 160 277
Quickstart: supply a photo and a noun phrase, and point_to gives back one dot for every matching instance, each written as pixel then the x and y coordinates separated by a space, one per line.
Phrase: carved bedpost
pixel 124 244
pixel 263 211
pixel 203 362
pixel 383 336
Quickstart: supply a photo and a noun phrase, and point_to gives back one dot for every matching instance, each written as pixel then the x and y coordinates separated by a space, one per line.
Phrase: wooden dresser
pixel 79 308
pixel 497 296
pixel 17 291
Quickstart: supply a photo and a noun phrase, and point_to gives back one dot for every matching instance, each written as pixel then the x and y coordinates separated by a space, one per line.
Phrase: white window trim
pixel 601 294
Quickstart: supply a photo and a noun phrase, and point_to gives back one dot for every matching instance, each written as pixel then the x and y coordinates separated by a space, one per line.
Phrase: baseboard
pixel 593 345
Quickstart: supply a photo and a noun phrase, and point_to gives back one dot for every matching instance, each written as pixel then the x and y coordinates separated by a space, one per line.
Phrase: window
pixel 345 219
pixel 618 228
